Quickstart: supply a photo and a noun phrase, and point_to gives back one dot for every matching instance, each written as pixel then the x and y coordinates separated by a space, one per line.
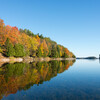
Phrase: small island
pixel 91 57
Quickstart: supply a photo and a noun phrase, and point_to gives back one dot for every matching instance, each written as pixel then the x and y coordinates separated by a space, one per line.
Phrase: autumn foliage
pixel 25 43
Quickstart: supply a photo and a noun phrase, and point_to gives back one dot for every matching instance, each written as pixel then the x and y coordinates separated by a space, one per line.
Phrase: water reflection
pixel 21 76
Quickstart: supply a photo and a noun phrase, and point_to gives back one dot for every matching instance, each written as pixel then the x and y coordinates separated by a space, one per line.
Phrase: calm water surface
pixel 55 80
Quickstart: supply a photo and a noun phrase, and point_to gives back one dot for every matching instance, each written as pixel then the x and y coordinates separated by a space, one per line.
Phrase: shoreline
pixel 4 60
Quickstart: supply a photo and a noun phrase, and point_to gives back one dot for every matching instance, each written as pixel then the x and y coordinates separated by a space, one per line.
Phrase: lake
pixel 54 80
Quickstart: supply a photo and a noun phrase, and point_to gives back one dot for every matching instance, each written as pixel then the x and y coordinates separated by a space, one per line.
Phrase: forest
pixel 16 42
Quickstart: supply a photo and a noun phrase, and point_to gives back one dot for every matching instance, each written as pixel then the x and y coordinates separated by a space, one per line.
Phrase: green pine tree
pixel 65 55
pixel 9 48
pixel 19 50
pixel 54 53
pixel 39 53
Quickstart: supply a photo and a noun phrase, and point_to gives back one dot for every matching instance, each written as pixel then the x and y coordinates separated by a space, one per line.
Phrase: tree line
pixel 22 42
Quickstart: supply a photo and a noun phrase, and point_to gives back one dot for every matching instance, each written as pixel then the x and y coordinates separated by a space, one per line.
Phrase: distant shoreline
pixel 92 57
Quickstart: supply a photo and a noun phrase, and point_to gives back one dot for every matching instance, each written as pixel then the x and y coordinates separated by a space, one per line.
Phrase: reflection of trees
pixel 18 76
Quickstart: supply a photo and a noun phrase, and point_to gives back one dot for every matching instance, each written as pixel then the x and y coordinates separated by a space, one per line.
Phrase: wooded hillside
pixel 18 43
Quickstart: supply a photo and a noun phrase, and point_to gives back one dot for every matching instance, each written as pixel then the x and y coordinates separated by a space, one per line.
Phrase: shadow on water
pixel 21 76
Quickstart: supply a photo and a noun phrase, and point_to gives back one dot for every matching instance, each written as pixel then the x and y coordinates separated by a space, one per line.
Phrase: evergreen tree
pixel 49 54
pixel 39 53
pixel 44 54
pixel 7 43
pixel 54 53
pixel 58 51
pixel 19 50
pixel 9 48
pixel 65 55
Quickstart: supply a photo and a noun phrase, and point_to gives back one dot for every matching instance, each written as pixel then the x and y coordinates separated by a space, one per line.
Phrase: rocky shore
pixel 29 59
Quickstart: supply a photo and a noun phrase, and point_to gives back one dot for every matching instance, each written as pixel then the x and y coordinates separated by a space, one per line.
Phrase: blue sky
pixel 72 23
